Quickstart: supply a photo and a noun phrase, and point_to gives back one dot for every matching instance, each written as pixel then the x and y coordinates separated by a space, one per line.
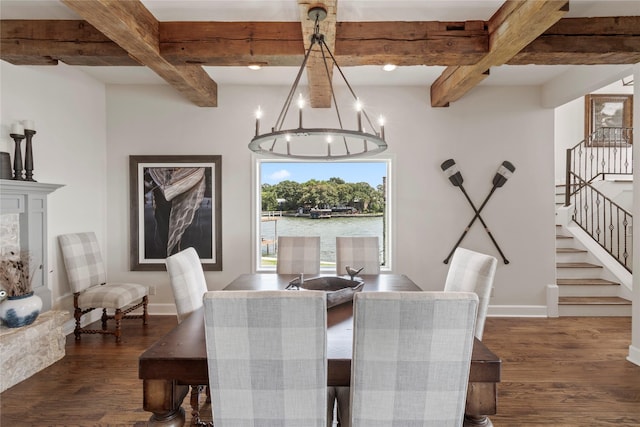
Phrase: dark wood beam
pixel 45 42
pixel 610 41
pixel 585 41
pixel 135 29
pixel 319 70
pixel 514 26
pixel 232 43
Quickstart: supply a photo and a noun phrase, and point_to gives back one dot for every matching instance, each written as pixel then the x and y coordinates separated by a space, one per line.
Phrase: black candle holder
pixel 28 155
pixel 17 157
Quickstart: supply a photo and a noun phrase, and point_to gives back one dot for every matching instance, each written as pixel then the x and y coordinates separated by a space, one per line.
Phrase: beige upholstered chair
pixel 471 271
pixel 267 357
pixel 358 252
pixel 411 358
pixel 187 281
pixel 355 252
pixel 298 254
pixel 87 278
pixel 189 286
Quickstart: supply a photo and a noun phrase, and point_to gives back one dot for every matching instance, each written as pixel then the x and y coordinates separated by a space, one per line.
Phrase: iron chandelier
pixel 319 143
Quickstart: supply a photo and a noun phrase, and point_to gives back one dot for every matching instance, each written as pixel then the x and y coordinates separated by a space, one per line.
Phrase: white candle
pixel 29 124
pixel 17 128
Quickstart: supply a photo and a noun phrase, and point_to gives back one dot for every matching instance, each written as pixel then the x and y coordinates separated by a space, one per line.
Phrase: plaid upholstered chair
pixel 189 286
pixel 411 358
pixel 358 252
pixel 298 254
pixel 471 271
pixel 87 278
pixel 267 357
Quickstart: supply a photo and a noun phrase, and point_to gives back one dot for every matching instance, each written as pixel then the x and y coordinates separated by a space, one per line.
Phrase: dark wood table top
pixel 181 355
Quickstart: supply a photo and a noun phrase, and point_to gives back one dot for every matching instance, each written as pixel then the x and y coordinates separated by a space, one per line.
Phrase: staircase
pixel 593 254
pixel 585 287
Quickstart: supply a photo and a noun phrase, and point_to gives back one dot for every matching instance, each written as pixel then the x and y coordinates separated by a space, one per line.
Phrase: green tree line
pixel 334 193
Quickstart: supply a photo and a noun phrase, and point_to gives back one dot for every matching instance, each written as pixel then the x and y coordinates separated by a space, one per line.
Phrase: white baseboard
pixel 95 315
pixel 170 310
pixel 634 355
pixel 517 311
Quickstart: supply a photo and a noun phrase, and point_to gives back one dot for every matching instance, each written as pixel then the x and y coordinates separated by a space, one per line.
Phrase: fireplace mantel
pixel 23 225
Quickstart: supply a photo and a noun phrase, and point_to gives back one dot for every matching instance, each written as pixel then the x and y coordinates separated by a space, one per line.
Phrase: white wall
pixel 69 148
pixel 86 133
pixel 486 127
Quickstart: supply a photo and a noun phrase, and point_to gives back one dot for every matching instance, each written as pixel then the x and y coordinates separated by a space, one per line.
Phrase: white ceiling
pixel 348 10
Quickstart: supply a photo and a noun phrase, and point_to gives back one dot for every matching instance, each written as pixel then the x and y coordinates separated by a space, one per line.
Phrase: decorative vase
pixel 20 310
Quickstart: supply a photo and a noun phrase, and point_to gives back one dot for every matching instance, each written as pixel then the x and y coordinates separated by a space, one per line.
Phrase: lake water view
pixel 327 228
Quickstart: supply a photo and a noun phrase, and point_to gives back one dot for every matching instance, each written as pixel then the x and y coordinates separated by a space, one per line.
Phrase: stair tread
pixel 562 236
pixel 588 282
pixel 576 265
pixel 571 251
pixel 593 301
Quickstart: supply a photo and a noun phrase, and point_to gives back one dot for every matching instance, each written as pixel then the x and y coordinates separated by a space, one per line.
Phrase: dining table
pixel 179 359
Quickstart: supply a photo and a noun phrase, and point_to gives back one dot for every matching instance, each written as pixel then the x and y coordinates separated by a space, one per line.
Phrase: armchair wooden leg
pixel 77 313
pixel 145 313
pixel 118 318
pixel 104 319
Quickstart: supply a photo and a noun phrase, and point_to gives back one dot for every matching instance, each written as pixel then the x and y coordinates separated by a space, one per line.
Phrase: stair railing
pixel 607 151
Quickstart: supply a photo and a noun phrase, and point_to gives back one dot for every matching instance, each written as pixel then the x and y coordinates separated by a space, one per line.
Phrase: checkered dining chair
pixel 411 358
pixel 189 285
pixel 87 279
pixel 298 254
pixel 357 252
pixel 267 357
pixel 471 271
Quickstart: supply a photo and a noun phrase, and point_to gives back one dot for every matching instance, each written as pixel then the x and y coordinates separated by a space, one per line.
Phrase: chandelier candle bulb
pixel 300 106
pixel 381 123
pixel 258 116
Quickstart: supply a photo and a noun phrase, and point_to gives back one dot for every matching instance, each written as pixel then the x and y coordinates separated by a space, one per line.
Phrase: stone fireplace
pixel 23 227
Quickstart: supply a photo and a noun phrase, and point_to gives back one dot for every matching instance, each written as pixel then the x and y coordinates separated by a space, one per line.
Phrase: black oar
pixel 504 172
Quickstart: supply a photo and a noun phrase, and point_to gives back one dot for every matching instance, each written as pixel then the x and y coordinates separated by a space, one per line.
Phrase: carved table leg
pixel 481 401
pixel 164 398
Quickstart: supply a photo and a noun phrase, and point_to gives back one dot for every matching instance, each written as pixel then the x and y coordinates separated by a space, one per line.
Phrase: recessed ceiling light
pixel 254 67
pixel 389 67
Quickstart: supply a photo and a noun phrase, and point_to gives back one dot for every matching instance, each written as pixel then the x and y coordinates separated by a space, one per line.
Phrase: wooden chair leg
pixel 145 313
pixel 118 318
pixel 77 313
pixel 105 317
pixel 195 404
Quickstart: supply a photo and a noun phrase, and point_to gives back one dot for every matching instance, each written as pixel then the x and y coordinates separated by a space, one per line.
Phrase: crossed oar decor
pixel 502 175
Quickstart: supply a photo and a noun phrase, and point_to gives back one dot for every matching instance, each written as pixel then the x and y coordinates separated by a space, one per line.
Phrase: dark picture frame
pixel 175 203
pixel 612 112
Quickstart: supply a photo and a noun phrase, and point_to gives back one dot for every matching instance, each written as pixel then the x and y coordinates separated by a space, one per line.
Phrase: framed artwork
pixel 175 204
pixel 611 116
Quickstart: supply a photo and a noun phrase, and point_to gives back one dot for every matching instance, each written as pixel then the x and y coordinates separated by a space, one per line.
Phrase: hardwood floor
pixel 556 372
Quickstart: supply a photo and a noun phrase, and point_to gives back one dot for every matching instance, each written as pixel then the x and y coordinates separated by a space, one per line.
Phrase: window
pixel 326 199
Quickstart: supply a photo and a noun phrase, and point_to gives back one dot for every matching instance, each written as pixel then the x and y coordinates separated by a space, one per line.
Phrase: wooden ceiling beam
pixel 514 26
pixel 42 42
pixel 319 69
pixel 136 30
pixel 585 41
pixel 45 42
